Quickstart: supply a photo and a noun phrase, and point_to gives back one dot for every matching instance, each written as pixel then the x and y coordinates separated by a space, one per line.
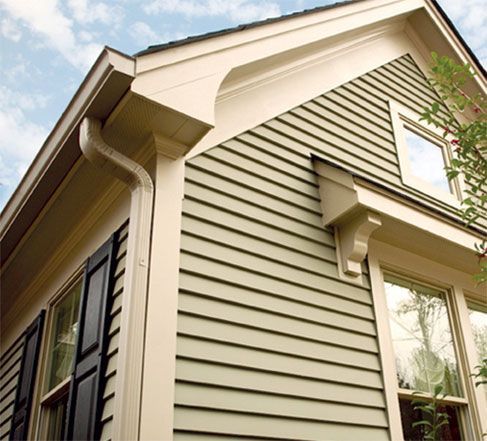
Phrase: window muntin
pixel 422 337
pixel 427 160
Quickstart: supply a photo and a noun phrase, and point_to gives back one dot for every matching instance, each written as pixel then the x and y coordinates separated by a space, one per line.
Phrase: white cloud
pixel 47 20
pixel 143 34
pixel 10 30
pixel 470 18
pixel 236 10
pixel 85 12
pixel 21 138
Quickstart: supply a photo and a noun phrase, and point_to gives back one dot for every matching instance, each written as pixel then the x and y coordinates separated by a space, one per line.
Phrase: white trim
pixel 157 413
pixel 345 198
pixel 404 118
pixel 386 351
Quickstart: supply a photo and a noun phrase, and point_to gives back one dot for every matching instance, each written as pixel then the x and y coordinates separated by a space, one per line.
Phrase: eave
pixel 105 84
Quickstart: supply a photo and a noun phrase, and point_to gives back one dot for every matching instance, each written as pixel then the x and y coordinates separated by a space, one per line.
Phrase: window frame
pixel 387 258
pixel 45 399
pixel 404 119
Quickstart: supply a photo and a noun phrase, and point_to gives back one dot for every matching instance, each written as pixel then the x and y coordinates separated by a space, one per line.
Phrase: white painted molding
pixel 354 237
pixel 358 210
pixel 126 414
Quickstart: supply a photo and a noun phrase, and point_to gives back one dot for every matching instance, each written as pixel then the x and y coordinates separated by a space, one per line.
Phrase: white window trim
pixel 404 118
pixel 384 256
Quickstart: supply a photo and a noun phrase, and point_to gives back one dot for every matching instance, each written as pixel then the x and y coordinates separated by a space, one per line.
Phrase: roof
pixel 194 38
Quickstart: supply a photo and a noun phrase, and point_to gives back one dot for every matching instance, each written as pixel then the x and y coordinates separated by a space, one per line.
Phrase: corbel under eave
pixel 353 223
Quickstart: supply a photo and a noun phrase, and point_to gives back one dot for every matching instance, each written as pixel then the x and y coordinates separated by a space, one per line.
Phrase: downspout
pixel 126 416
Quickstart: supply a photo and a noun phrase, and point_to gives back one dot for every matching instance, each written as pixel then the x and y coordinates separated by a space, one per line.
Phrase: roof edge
pixel 109 64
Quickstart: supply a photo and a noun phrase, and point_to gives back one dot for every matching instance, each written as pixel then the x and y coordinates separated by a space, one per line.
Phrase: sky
pixel 48 46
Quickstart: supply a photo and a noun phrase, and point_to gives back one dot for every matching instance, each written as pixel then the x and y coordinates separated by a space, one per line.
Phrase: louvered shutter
pixel 27 377
pixel 85 400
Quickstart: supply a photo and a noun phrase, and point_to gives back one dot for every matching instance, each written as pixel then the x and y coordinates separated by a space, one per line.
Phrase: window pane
pixel 422 337
pixel 478 320
pixel 448 432
pixel 57 419
pixel 426 159
pixel 63 337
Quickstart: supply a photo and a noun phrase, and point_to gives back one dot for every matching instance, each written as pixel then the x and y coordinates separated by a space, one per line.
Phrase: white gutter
pixel 126 416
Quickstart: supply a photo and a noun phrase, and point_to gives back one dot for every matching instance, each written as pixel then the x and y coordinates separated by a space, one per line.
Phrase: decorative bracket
pixel 353 241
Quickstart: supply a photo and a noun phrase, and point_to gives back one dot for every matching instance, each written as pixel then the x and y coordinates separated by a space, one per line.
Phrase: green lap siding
pixel 272 343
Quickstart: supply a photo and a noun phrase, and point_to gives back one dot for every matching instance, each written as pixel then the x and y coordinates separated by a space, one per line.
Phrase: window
pixel 425 338
pixel 423 155
pixel 424 352
pixel 61 344
pixel 478 321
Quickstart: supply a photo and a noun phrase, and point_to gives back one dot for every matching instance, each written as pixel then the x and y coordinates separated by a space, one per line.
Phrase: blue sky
pixel 47 46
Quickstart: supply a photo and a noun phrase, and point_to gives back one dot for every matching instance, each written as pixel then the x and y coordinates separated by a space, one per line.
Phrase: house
pixel 235 236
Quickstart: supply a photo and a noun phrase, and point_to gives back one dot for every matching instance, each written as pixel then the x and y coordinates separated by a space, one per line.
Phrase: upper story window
pixel 423 156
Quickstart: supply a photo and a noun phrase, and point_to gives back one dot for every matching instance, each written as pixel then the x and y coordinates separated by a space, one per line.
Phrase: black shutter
pixel 25 386
pixel 85 395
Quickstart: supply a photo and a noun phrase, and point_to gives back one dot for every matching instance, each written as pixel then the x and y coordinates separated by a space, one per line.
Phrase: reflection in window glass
pixel 426 160
pixel 422 337
pixel 449 432
pixel 63 337
pixel 478 320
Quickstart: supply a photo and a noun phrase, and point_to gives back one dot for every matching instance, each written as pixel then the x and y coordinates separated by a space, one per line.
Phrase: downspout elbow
pixel 97 151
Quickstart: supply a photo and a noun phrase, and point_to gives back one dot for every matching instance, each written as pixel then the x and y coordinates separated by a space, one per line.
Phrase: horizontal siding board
pixel 252 402
pixel 311 130
pixel 221 176
pixel 306 227
pixel 233 423
pixel 261 226
pixel 220 288
pixel 273 322
pixel 108 392
pixel 361 110
pixel 276 198
pixel 287 307
pixel 287 161
pixel 259 172
pixel 349 130
pixel 10 361
pixel 325 386
pixel 262 360
pixel 106 432
pixel 219 269
pixel 235 242
pixel 259 264
pixel 10 377
pixel 274 242
pixel 340 155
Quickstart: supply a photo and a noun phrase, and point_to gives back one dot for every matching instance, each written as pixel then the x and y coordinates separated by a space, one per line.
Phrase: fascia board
pixel 281 36
pixel 102 88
